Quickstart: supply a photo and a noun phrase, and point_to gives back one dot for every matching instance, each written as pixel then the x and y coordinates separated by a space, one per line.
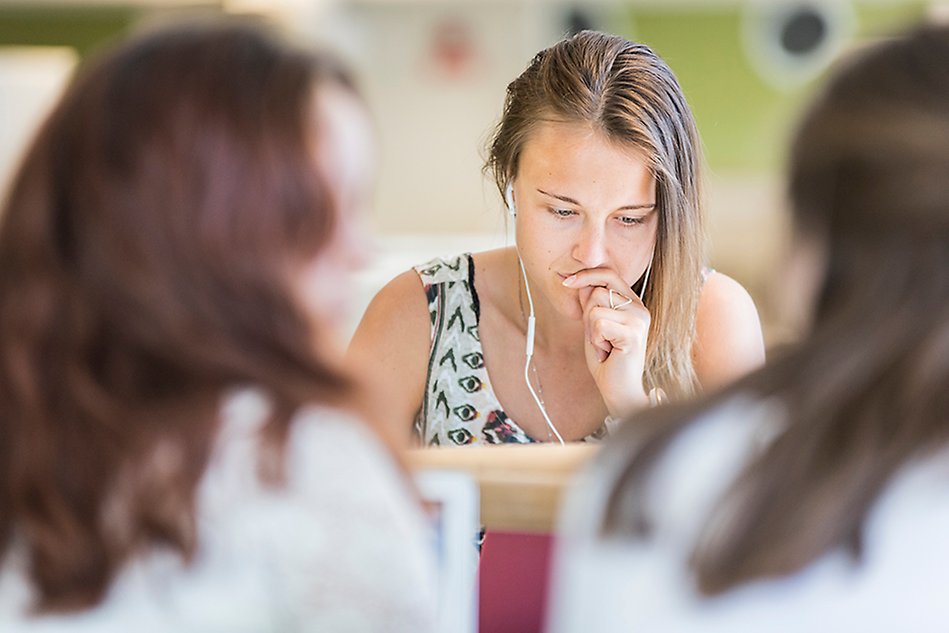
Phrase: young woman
pixel 178 449
pixel 814 494
pixel 597 158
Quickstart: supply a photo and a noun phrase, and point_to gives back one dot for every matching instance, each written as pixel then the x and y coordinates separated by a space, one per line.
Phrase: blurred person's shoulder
pixel 340 544
pixel 344 528
pixel 695 469
pixel 327 449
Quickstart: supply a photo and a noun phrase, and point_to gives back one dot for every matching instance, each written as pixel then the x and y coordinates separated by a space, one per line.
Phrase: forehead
pixel 581 154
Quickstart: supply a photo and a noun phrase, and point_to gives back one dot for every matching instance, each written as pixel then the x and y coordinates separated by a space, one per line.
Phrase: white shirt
pixel 343 547
pixel 900 584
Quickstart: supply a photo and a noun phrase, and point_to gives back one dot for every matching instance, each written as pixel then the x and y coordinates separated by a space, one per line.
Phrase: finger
pixel 593 355
pixel 635 318
pixel 622 301
pixel 585 301
pixel 623 330
pixel 631 316
pixel 618 300
pixel 598 297
pixel 598 284
pixel 585 295
pixel 597 351
pixel 590 335
pixel 604 277
pixel 625 319
pixel 619 336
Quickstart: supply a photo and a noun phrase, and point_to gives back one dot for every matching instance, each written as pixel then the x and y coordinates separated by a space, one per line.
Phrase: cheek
pixel 541 238
pixel 529 241
pixel 325 284
pixel 637 253
pixel 321 291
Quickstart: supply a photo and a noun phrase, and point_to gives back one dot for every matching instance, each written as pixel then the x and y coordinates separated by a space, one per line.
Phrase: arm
pixel 389 355
pixel 728 342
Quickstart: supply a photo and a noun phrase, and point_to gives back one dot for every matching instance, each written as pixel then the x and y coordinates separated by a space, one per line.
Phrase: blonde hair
pixel 626 91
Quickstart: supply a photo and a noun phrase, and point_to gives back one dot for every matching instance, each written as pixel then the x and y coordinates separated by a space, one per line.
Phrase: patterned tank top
pixel 459 406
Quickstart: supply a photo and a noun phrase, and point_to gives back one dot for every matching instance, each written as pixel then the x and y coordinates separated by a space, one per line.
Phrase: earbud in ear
pixel 509 199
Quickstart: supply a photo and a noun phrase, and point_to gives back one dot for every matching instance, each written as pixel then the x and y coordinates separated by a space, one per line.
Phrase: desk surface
pixel 521 485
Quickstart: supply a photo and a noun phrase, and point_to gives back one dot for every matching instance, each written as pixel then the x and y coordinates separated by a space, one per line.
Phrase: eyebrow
pixel 629 207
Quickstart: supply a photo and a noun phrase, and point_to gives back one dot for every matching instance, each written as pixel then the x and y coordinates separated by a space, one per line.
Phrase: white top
pixel 900 584
pixel 343 547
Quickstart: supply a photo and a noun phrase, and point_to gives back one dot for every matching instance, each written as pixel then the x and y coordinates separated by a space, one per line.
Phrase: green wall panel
pixel 744 121
pixel 81 28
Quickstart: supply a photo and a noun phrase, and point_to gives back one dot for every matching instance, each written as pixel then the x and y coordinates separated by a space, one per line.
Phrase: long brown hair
pixel 146 252
pixel 867 391
pixel 631 95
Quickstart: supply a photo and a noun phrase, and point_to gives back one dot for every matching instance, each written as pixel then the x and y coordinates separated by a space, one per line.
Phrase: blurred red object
pixel 513 582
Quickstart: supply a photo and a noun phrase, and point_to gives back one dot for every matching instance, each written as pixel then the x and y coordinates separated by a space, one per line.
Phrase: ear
pixel 509 199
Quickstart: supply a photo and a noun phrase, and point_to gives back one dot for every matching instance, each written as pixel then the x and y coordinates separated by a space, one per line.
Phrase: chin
pixel 570 310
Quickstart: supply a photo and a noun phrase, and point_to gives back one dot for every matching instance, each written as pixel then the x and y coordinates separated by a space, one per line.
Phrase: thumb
pixel 594 355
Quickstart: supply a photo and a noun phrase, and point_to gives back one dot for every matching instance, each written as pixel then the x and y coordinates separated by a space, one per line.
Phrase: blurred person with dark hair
pixel 178 444
pixel 813 495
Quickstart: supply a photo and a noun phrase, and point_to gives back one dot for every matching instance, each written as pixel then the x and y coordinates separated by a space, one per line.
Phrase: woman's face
pixel 583 201
pixel 345 156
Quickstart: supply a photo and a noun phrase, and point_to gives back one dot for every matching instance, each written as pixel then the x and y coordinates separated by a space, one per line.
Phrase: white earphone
pixel 529 353
pixel 509 199
pixel 642 291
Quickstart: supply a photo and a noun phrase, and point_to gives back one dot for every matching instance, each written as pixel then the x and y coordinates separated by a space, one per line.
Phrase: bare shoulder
pixel 495 271
pixel 722 296
pixel 401 299
pixel 728 340
pixel 389 351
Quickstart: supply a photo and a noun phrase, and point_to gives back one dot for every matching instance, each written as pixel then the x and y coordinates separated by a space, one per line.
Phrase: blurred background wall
pixel 434 72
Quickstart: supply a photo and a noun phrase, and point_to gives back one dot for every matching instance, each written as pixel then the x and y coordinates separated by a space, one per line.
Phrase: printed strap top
pixel 459 406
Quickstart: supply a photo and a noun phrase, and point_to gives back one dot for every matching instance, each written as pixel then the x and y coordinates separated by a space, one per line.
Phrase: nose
pixel 590 247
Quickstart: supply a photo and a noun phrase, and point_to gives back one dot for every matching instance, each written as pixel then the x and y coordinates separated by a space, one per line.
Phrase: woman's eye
pixel 562 213
pixel 629 220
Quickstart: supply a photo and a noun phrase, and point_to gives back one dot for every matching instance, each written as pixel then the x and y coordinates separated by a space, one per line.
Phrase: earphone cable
pixel 529 353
